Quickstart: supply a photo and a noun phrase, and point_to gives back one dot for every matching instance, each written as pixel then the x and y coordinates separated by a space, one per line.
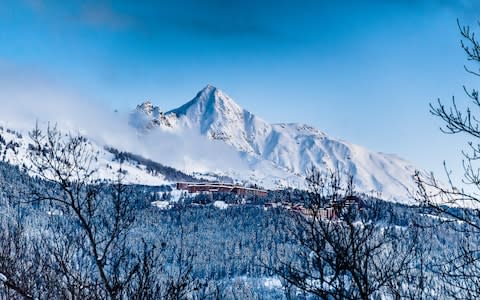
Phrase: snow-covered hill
pixel 281 151
pixel 14 145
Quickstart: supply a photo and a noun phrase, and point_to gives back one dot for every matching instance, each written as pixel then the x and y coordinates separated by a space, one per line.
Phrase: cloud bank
pixel 27 98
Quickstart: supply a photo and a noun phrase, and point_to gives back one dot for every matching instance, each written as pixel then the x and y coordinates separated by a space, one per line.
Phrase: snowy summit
pixel 291 148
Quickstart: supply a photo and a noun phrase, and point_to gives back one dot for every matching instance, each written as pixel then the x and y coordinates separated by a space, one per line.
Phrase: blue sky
pixel 363 71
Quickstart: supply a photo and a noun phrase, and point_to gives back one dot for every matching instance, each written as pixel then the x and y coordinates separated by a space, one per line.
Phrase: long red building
pixel 212 187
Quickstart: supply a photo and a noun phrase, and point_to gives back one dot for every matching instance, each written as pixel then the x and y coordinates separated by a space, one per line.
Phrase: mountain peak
pixel 148 108
pixel 207 92
pixel 209 87
pixel 207 101
pixel 217 116
pixel 210 91
pixel 148 116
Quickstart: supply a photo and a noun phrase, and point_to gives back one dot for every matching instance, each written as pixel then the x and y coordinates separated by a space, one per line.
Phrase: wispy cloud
pixel 28 97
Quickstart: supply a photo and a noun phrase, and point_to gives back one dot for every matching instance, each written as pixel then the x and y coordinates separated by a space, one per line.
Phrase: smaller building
pixel 331 211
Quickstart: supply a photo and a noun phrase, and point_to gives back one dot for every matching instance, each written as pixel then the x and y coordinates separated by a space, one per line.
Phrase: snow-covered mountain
pixel 212 137
pixel 284 150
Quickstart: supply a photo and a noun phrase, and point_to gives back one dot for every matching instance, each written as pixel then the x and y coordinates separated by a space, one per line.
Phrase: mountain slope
pixel 291 149
pixel 14 146
pixel 215 115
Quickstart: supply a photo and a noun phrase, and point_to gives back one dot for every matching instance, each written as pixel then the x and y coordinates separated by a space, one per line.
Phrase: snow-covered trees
pixel 358 254
pixel 67 234
pixel 92 242
pixel 231 252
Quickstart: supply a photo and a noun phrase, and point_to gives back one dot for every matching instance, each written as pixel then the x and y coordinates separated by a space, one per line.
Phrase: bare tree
pixel 357 253
pixel 92 234
pixel 461 269
pixel 11 253
pixel 23 271
pixel 87 242
pixel 458 119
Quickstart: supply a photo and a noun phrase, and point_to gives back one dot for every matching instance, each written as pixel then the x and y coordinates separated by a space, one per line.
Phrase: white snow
pixel 104 165
pixel 272 283
pixel 162 204
pixel 54 212
pixel 220 204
